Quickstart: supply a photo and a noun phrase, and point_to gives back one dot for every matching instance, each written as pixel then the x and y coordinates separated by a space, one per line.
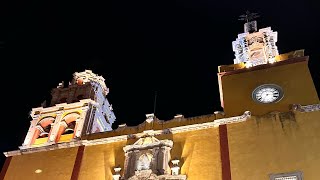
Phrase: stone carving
pixel 255 48
pixel 148 158
pixel 307 108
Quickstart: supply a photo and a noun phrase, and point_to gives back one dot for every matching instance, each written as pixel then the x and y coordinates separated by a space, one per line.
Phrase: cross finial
pixel 248 16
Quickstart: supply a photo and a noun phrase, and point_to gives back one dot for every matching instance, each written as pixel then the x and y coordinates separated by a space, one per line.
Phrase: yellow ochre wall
pixel 55 165
pixel 294 78
pixel 275 143
pixel 198 152
pixel 99 160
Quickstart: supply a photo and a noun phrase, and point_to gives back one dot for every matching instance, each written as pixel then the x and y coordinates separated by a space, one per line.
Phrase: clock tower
pixel 261 80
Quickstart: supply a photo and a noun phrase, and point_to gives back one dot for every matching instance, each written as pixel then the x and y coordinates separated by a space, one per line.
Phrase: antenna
pixel 155 103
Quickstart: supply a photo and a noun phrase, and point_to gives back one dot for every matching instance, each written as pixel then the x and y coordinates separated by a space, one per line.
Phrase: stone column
pixel 154 163
pixel 129 164
pixel 80 122
pixel 167 158
pixel 31 132
pixel 55 127
pixel 162 160
pixel 62 126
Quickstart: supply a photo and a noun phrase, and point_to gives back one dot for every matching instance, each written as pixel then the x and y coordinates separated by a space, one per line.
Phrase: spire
pixel 250 25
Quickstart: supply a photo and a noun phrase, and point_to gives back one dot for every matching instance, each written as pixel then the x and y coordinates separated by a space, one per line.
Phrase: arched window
pixel 45 132
pixel 45 124
pixel 68 124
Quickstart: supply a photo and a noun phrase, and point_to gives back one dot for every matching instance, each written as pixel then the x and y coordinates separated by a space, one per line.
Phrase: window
pixel 45 126
pixel 287 176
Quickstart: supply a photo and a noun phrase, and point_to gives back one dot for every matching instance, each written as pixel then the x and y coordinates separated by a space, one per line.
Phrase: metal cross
pixel 248 16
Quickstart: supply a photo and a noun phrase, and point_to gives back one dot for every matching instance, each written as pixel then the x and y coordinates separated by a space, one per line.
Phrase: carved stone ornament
pixel 148 158
pixel 307 108
pixel 256 48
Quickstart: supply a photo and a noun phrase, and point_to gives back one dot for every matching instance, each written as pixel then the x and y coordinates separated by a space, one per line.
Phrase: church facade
pixel 268 129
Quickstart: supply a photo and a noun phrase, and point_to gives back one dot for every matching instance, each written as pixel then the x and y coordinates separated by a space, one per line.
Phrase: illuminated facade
pixel 269 128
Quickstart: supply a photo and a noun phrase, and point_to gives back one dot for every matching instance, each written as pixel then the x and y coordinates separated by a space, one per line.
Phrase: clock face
pixel 267 93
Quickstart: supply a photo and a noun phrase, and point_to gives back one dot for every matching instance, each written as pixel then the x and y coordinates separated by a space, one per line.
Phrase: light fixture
pixel 38 171
pixel 248 64
pixel 271 60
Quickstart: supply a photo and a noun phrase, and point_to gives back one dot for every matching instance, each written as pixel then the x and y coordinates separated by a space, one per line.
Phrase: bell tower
pixel 261 80
pixel 78 109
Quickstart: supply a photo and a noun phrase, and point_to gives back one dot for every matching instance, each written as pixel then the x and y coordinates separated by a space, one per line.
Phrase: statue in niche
pixel 144 162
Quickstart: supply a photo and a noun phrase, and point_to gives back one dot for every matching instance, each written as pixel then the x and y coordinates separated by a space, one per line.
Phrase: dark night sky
pixel 171 47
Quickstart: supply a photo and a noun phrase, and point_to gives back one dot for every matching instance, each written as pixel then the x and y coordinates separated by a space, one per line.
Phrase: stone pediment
pixel 148 142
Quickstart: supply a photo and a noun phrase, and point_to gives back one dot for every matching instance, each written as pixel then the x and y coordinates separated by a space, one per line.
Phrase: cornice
pixel 264 66
pixel 63 106
pixel 174 130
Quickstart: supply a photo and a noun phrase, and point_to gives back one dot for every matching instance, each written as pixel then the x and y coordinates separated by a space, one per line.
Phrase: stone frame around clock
pixel 280 90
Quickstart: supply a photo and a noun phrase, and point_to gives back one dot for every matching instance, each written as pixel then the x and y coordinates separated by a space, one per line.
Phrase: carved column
pixel 37 131
pixel 163 161
pixel 167 158
pixel 129 165
pixel 155 167
pixel 80 122
pixel 55 128
pixel 32 132
pixel 126 164
pixel 62 126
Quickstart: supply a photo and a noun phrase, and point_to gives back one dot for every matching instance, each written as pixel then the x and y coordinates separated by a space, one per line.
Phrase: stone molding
pixel 148 174
pixel 35 112
pixel 307 108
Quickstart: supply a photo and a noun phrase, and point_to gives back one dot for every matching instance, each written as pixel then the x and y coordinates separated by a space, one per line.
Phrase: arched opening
pixel 42 130
pixel 67 127
pixel 70 128
pixel 46 131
